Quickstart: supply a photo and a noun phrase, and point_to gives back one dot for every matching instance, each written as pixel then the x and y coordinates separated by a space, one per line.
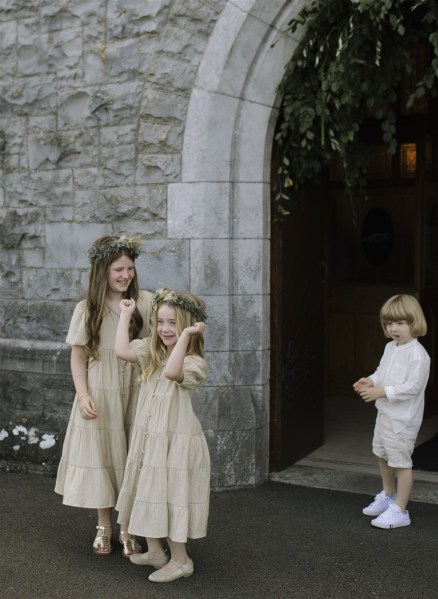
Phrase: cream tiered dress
pixel 91 468
pixel 166 488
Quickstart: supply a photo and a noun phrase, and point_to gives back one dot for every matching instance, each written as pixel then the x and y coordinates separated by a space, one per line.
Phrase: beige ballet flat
pixel 102 543
pixel 179 571
pixel 147 559
pixel 130 545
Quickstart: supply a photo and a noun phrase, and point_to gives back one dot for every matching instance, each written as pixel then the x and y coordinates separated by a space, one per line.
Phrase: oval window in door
pixel 377 236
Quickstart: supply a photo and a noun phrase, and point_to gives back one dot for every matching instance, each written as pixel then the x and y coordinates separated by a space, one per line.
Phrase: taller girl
pixel 93 460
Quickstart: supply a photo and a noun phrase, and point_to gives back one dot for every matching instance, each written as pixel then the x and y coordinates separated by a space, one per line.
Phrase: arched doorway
pixel 332 269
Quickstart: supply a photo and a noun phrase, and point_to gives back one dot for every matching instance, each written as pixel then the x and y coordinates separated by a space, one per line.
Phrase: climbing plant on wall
pixel 349 63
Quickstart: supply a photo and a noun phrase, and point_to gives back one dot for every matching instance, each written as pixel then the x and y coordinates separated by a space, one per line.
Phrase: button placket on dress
pixel 148 415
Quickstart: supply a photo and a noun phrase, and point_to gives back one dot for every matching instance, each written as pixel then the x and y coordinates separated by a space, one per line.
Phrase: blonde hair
pixel 184 319
pixel 403 307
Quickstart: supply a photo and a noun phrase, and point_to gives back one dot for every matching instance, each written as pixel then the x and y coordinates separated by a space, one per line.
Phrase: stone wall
pixel 93 99
pixel 152 116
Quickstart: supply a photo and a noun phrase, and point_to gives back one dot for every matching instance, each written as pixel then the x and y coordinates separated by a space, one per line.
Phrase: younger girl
pixel 93 460
pixel 166 488
pixel 397 387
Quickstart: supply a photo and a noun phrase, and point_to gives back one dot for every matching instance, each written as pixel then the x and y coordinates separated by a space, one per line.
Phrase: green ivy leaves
pixel 350 61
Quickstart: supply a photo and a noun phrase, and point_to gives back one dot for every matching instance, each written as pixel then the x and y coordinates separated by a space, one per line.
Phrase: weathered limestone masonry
pixel 153 116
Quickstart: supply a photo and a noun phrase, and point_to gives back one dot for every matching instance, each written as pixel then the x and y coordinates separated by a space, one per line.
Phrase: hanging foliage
pixel 349 63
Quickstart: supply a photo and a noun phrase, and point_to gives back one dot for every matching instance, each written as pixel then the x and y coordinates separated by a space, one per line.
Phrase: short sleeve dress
pixel 92 464
pixel 166 488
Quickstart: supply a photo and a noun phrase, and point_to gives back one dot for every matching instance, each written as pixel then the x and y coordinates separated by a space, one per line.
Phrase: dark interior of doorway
pixel 330 275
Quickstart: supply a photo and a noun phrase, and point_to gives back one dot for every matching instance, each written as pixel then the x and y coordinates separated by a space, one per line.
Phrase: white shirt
pixel 403 372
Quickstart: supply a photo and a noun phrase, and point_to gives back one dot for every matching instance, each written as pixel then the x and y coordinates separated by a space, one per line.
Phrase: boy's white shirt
pixel 403 372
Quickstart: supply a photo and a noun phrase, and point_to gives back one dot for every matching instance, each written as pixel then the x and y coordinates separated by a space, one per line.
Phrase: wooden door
pixel 372 256
pixel 429 291
pixel 297 333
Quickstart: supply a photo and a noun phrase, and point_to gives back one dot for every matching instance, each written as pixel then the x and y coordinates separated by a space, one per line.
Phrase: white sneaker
pixel 381 502
pixel 393 517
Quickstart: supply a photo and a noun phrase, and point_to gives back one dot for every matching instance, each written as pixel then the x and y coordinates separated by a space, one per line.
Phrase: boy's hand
pixel 363 383
pixel 372 393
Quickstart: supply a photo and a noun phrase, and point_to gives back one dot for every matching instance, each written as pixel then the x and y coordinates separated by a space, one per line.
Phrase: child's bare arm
pixel 121 344
pixel 174 366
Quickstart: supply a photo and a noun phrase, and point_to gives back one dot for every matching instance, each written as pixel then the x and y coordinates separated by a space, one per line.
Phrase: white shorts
pixel 394 448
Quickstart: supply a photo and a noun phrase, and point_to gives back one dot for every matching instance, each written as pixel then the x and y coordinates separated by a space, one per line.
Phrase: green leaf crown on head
pixel 132 243
pixel 168 296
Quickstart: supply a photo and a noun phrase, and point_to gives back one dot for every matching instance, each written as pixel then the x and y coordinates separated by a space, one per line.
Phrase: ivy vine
pixel 350 60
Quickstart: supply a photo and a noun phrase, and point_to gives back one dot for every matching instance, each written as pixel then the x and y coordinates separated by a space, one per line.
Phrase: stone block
pixel 252 159
pixel 32 416
pixel 129 59
pixel 164 106
pixel 34 55
pixel 88 12
pixel 248 367
pixel 239 458
pixel 175 75
pixel 209 266
pixel 32 258
pixel 157 138
pixel 118 165
pixel 158 168
pixel 247 317
pixel 217 334
pixel 40 188
pixel 33 319
pixel 134 209
pixel 210 116
pixel 129 18
pixel 162 263
pixel 10 273
pixel 250 274
pixel 51 284
pixel 67 244
pixel 253 199
pixel 182 44
pixel 195 16
pixel 198 210
pixel 219 369
pixel 18 225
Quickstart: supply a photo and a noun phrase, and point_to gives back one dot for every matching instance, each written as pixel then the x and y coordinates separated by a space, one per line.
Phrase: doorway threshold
pixel 345 461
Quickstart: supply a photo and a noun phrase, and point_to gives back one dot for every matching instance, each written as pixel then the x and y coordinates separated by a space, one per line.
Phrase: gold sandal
pixel 130 545
pixel 102 543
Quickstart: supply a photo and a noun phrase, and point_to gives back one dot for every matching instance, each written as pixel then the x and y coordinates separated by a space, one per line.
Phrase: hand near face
pixel 196 329
pixel 127 306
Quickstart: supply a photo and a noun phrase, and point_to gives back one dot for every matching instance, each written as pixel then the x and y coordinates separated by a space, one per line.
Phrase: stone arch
pixel 222 205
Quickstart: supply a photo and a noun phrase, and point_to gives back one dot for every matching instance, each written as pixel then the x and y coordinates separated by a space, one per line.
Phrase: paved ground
pixel 276 541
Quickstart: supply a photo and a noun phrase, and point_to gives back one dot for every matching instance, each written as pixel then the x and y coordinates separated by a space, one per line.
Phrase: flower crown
pixel 168 296
pixel 132 243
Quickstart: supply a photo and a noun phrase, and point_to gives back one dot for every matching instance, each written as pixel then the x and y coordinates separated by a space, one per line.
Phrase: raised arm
pixel 174 366
pixel 121 344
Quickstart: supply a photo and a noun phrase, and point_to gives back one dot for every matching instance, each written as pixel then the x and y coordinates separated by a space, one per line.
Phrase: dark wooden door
pixel 429 291
pixel 297 333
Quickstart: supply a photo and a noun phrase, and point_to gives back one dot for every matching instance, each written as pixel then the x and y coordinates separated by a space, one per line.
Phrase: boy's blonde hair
pixel 404 307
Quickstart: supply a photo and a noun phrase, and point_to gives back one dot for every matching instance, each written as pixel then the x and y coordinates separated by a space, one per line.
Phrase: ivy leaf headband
pixel 168 296
pixel 132 243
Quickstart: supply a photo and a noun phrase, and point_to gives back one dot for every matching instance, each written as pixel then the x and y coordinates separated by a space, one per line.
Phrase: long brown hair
pixel 97 288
